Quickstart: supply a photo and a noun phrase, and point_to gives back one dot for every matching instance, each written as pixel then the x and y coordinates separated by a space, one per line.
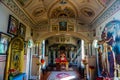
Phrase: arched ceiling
pixel 85 11
pixel 40 14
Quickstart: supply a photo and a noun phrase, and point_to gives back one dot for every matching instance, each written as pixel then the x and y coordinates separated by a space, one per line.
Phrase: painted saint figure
pixel 103 42
pixel 107 55
pixel 111 59
pixel 100 59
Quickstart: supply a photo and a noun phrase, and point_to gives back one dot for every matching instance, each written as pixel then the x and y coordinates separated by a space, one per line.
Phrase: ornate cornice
pixel 17 11
pixel 108 13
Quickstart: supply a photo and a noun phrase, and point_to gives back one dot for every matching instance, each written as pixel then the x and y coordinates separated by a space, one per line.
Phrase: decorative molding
pixel 17 11
pixel 108 13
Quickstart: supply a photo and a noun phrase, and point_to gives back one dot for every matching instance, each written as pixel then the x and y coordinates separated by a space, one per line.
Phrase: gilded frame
pixel 4 42
pixel 54 27
pixel 13 25
pixel 22 30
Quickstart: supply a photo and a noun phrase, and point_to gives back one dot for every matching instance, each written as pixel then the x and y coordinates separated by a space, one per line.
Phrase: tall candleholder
pixel 85 63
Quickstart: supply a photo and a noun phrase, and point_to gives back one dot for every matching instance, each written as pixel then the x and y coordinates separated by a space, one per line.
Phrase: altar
pixel 62 62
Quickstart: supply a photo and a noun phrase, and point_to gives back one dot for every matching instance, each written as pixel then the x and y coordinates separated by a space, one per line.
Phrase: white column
pixel 70 53
pixel 54 56
pixel 89 49
pixel 82 49
pixel 29 63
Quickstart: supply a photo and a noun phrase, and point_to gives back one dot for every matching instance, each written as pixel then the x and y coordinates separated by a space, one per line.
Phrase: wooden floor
pixel 45 74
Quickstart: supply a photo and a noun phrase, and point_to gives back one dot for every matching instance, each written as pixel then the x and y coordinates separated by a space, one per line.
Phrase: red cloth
pixel 101 78
pixel 107 78
pixel 57 60
pixel 65 60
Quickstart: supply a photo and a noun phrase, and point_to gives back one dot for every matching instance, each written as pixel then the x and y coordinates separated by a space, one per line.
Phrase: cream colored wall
pixel 35 67
pixel 4 16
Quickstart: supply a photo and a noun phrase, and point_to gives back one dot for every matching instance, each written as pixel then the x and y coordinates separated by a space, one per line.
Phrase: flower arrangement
pixel 42 61
pixel 84 61
pixel 12 72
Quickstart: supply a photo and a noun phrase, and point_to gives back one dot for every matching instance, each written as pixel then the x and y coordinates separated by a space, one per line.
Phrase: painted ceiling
pixel 84 11
pixel 41 14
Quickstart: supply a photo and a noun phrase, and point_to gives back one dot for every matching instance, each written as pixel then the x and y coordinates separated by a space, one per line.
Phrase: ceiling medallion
pixel 38 11
pixel 87 12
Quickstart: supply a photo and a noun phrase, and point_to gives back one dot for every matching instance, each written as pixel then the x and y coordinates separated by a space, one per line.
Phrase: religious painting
pixel 110 46
pixel 15 60
pixel 4 42
pixel 54 27
pixel 87 12
pixel 113 30
pixel 63 26
pixel 16 56
pixel 70 27
pixel 13 25
pixel 22 30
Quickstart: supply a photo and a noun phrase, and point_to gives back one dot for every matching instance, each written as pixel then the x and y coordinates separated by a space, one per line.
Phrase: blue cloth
pixel 20 76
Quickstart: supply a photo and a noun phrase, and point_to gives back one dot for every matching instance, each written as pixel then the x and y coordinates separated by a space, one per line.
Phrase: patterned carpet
pixel 63 75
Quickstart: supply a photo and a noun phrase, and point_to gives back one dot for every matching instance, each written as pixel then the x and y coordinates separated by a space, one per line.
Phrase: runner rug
pixel 63 75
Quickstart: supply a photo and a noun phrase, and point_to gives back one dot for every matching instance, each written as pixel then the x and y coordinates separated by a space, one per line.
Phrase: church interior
pixel 59 39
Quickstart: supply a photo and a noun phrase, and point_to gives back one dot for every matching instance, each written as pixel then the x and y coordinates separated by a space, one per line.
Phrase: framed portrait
pixel 70 27
pixel 4 42
pixel 63 26
pixel 13 25
pixel 54 27
pixel 22 30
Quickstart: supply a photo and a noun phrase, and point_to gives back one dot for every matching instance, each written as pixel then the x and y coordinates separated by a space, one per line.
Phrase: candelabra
pixel 85 71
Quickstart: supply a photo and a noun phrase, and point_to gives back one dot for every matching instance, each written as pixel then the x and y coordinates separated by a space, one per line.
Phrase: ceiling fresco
pixel 41 15
pixel 86 11
pixel 60 13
